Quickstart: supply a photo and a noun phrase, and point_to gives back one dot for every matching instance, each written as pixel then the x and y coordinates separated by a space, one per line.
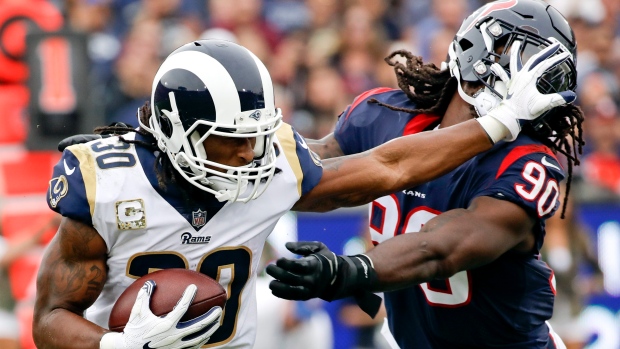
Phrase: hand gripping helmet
pixel 497 25
pixel 215 87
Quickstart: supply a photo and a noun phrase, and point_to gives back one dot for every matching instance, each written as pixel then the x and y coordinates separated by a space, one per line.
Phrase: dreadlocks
pixel 433 89
pixel 166 172
pixel 562 131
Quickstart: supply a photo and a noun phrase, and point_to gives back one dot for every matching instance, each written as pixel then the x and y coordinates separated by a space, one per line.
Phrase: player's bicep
pixel 73 269
pixel 451 242
pixel 508 225
pixel 483 232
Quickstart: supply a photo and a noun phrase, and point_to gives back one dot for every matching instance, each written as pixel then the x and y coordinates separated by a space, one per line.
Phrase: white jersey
pixel 112 185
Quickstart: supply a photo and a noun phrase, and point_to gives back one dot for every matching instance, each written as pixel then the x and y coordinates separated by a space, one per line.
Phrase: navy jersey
pixel 503 304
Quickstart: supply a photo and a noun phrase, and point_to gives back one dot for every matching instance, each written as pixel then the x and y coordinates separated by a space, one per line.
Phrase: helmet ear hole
pixel 465 44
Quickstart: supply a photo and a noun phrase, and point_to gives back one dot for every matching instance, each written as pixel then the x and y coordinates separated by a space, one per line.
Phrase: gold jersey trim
pixel 87 167
pixel 289 147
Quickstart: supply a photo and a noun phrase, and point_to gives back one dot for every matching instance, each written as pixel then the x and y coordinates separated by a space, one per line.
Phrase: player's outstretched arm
pixel 456 240
pixel 460 239
pixel 399 164
pixel 412 160
pixel 71 277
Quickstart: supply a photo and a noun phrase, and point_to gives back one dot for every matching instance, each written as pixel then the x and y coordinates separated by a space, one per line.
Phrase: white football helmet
pixel 215 87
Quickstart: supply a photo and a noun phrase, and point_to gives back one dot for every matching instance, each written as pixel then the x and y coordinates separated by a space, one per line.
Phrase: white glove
pixel 145 330
pixel 523 101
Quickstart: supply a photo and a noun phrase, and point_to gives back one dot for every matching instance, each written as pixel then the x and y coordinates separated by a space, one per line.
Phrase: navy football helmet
pixel 215 87
pixel 486 36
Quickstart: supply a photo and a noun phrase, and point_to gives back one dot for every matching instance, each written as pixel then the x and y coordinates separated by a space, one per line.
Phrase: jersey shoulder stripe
pixel 72 189
pixel 364 96
pixel 87 167
pixel 520 151
pixel 305 164
pixel 419 123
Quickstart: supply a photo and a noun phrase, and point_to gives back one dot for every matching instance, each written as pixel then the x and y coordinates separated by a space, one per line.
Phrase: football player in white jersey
pixel 201 184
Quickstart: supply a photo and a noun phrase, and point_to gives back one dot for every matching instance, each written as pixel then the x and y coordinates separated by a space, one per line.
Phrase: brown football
pixel 170 284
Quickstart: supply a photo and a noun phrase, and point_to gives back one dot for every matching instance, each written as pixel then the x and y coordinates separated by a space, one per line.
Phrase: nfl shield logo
pixel 199 218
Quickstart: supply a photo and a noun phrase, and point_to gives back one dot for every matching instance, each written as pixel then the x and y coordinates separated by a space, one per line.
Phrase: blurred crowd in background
pixel 321 54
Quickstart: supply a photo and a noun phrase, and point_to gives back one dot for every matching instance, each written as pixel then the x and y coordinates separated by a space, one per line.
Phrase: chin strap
pixel 486 100
pixel 227 189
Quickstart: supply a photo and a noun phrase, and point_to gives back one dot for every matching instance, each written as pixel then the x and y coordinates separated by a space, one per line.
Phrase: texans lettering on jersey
pixel 503 304
pixel 113 186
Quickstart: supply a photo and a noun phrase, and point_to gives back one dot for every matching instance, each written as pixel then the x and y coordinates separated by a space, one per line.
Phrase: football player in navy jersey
pixel 458 257
pixel 202 183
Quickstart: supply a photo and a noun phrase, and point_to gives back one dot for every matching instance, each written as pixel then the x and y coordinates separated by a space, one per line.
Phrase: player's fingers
pixel 500 72
pixel 198 339
pixel 285 276
pixel 515 58
pixel 279 273
pixel 195 331
pixel 542 56
pixel 568 96
pixel 304 265
pixel 286 291
pixel 551 63
pixel 556 99
pixel 213 320
pixel 181 307
pixel 205 319
pixel 144 295
pixel 201 325
pixel 554 40
pixel 550 101
pixel 141 306
pixel 194 342
pixel 304 248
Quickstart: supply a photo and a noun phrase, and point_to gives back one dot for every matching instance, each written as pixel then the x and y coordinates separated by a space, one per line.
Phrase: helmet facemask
pixel 479 44
pixel 189 157
pixel 215 88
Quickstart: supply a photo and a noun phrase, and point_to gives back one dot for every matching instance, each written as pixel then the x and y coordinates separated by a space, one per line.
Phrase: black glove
pixel 85 138
pixel 323 274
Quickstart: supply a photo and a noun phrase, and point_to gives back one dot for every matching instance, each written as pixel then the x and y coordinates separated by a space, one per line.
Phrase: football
pixel 170 284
